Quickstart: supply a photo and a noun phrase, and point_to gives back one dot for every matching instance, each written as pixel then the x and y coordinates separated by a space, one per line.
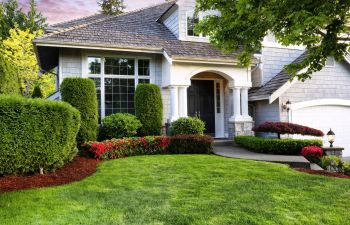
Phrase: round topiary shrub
pixel 36 133
pixel 119 125
pixel 149 109
pixel 81 93
pixel 189 125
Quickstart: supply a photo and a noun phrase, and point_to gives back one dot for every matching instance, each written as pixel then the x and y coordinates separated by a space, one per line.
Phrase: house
pixel 153 45
pixel 159 45
pixel 322 102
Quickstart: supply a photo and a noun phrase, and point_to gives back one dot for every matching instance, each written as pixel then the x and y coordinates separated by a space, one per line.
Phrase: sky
pixel 62 10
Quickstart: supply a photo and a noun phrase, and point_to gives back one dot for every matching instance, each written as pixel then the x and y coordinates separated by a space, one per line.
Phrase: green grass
pixel 185 189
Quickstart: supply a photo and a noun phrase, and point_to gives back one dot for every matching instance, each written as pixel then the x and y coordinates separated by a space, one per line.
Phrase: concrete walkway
pixel 241 153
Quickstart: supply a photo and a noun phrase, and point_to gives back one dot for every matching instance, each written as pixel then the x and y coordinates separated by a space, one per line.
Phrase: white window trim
pixel 200 17
pixel 102 76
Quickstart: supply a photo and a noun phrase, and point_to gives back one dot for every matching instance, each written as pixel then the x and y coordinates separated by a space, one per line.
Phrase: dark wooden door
pixel 201 103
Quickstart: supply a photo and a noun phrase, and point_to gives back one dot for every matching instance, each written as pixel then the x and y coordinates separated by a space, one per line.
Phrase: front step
pixel 223 142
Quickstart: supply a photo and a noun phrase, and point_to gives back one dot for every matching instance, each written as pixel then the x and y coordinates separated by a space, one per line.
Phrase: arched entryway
pixel 206 100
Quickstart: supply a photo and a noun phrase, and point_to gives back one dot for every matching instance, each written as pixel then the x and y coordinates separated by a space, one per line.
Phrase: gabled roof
pixel 132 30
pixel 274 84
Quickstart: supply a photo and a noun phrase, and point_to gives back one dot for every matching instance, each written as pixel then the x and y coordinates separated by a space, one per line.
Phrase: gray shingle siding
pixel 331 83
pixel 274 59
pixel 266 112
pixel 172 23
pixel 70 63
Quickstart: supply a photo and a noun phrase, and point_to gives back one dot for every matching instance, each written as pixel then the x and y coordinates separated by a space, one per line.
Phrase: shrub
pixel 37 92
pixel 347 168
pixel 287 128
pixel 275 146
pixel 149 109
pixel 332 163
pixel 189 125
pixel 312 153
pixel 36 133
pixel 119 125
pixel 118 148
pixel 191 144
pixel 81 93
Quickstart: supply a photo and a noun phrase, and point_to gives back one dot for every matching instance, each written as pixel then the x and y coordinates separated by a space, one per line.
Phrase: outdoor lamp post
pixel 331 137
pixel 287 106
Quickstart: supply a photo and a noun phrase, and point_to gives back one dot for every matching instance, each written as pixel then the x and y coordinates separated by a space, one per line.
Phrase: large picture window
pixel 116 79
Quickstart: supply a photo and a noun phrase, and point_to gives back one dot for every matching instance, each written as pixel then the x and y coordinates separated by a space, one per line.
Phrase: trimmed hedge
pixel 119 125
pixel 81 93
pixel 275 146
pixel 118 148
pixel 191 144
pixel 188 125
pixel 36 133
pixel 287 128
pixel 149 109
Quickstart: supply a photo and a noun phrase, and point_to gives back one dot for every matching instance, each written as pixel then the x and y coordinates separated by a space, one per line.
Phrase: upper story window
pixel 192 20
pixel 119 66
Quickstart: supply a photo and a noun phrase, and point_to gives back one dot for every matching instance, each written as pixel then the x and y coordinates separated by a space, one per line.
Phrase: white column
pixel 236 104
pixel 244 102
pixel 174 103
pixel 183 101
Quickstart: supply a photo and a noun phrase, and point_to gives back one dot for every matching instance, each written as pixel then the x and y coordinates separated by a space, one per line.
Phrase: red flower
pixel 312 152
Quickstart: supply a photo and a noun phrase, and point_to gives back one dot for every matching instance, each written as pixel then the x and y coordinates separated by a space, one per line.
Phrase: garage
pixel 323 115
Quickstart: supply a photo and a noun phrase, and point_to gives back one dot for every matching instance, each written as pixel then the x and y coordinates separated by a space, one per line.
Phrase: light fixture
pixel 287 106
pixel 331 137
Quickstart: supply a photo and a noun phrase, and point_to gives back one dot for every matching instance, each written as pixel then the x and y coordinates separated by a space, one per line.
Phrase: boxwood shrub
pixel 119 125
pixel 149 109
pixel 36 133
pixel 188 125
pixel 275 146
pixel 81 93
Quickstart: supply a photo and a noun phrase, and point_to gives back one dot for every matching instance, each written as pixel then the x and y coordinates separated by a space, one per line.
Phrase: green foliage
pixel 9 82
pixel 191 144
pixel 111 7
pixel 347 168
pixel 119 125
pixel 81 93
pixel 11 16
pixel 35 134
pixel 37 92
pixel 189 125
pixel 332 163
pixel 149 109
pixel 275 146
pixel 243 24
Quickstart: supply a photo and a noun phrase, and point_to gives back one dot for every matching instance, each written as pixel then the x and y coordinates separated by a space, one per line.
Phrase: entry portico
pixel 229 101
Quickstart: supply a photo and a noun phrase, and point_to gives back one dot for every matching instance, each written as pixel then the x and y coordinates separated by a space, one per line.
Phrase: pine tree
pixel 111 7
pixel 35 20
pixel 37 92
pixel 11 16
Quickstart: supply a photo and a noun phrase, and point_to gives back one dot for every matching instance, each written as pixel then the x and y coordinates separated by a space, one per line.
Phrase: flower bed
pixel 119 148
pixel 312 153
pixel 287 128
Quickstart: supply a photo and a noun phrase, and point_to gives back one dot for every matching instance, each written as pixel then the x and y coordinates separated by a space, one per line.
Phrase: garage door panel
pixel 324 118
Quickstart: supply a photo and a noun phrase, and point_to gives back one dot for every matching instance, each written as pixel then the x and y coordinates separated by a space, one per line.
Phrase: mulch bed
pixel 76 170
pixel 323 173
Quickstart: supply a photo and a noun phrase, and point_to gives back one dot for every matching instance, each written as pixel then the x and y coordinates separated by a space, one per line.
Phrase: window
pixel 116 79
pixel 218 98
pixel 192 21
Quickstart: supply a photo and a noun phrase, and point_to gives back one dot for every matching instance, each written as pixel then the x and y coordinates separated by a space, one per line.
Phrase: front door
pixel 201 103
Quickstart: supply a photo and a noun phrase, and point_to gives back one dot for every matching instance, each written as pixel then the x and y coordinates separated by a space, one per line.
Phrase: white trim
pixel 284 87
pixel 101 47
pixel 60 67
pixel 320 102
pixel 167 57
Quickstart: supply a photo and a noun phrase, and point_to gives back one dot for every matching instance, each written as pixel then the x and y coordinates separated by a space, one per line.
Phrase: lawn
pixel 185 189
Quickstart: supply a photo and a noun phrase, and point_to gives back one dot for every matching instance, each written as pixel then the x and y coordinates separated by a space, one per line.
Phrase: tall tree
pixel 320 26
pixel 11 16
pixel 35 20
pixel 112 7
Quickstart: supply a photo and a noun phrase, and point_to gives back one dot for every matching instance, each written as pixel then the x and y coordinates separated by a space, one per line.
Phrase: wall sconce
pixel 331 137
pixel 286 106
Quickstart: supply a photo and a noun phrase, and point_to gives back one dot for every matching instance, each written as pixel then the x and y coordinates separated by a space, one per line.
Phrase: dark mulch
pixel 323 173
pixel 76 170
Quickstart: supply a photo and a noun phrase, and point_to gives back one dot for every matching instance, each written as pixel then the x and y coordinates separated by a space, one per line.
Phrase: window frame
pixel 103 76
pixel 200 17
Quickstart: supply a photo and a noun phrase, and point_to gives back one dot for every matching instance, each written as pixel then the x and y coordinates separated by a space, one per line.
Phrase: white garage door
pixel 325 117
